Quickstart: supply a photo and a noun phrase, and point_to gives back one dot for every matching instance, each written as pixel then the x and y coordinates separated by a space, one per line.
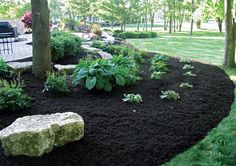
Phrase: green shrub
pixel 134 35
pixel 99 74
pixel 132 98
pixel 107 30
pixel 98 44
pixel 56 83
pixel 12 96
pixel 170 95
pixel 5 71
pixel 64 44
pixel 185 85
pixel 159 66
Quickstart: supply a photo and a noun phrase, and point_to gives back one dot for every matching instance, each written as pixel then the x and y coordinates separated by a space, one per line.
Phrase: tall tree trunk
pixel 41 38
pixel 192 21
pixel 170 17
pixel 174 15
pixel 220 22
pixel 229 57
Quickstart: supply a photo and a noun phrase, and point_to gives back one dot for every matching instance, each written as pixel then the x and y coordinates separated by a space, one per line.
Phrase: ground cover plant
pixel 12 96
pixel 132 98
pixel 5 71
pixel 185 85
pixel 170 95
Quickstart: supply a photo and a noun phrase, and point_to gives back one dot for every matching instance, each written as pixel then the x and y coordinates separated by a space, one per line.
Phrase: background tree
pixel 229 57
pixel 41 38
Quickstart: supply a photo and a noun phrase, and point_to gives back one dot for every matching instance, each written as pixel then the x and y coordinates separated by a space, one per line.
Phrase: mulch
pixel 123 134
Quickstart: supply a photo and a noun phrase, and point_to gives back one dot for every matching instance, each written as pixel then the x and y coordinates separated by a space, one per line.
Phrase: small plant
pixel 159 66
pixel 185 61
pixel 185 85
pixel 159 58
pixel 188 67
pixel 156 75
pixel 96 29
pixel 170 95
pixel 5 71
pixel 132 98
pixel 56 83
pixel 189 73
pixel 12 96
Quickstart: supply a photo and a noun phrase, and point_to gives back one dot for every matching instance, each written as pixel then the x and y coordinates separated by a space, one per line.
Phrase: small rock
pixel 65 68
pixel 20 66
pixel 104 55
pixel 38 134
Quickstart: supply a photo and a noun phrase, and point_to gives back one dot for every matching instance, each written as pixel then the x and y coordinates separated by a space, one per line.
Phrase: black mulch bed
pixel 115 134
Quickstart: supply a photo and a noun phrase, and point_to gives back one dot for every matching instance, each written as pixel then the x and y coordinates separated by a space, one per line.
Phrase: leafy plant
pixel 98 44
pixel 188 67
pixel 185 85
pixel 96 29
pixel 159 58
pixel 170 95
pixel 56 83
pixel 134 35
pixel 99 74
pixel 132 98
pixel 64 44
pixel 27 20
pixel 159 66
pixel 189 73
pixel 157 75
pixel 185 61
pixel 12 96
pixel 5 71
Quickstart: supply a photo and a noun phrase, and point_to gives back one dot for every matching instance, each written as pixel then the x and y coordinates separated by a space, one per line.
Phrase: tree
pixel 229 57
pixel 55 7
pixel 41 38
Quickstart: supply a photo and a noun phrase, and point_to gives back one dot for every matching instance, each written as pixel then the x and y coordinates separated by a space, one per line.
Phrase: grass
pixel 203 46
pixel 218 147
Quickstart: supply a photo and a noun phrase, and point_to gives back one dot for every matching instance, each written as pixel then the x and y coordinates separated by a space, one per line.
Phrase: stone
pixel 38 134
pixel 104 55
pixel 68 69
pixel 21 66
pixel 89 49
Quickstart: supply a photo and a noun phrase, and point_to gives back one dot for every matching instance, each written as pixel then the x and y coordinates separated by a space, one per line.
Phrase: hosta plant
pixel 132 98
pixel 159 66
pixel 100 74
pixel 56 83
pixel 12 96
pixel 159 58
pixel 190 74
pixel 188 67
pixel 185 85
pixel 170 95
pixel 156 75
pixel 185 61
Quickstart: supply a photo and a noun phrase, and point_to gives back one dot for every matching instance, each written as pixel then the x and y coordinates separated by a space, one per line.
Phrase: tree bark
pixel 219 21
pixel 41 38
pixel 229 57
pixel 191 30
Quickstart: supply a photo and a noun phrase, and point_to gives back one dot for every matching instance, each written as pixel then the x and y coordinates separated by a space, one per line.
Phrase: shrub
pixel 99 74
pixel 27 20
pixel 132 98
pixel 190 74
pixel 96 29
pixel 98 44
pixel 107 30
pixel 157 75
pixel 5 71
pixel 170 95
pixel 188 67
pixel 56 83
pixel 134 35
pixel 12 96
pixel 185 85
pixel 64 44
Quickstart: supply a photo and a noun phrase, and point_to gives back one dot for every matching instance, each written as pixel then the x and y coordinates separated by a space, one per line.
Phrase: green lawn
pixel 218 148
pixel 202 46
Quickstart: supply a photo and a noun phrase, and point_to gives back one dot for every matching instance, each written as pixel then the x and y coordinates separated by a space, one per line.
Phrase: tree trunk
pixel 219 21
pixel 229 57
pixel 41 38
pixel 198 23
pixel 191 30
pixel 174 16
pixel 170 18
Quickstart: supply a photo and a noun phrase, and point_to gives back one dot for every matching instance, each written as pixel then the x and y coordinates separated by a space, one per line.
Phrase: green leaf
pixel 107 85
pixel 91 82
pixel 120 80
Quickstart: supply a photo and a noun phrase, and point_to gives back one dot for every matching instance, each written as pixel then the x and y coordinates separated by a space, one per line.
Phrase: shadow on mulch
pixel 115 134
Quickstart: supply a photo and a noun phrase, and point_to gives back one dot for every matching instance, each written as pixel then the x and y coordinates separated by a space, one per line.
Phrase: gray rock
pixel 20 66
pixel 104 55
pixel 38 134
pixel 68 69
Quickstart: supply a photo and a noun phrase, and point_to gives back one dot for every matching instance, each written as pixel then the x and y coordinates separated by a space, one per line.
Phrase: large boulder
pixel 39 134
